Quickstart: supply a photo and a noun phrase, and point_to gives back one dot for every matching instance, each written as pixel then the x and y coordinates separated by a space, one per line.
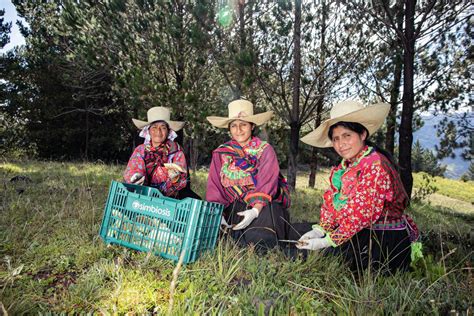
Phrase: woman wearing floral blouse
pixel 362 216
pixel 159 162
pixel 244 176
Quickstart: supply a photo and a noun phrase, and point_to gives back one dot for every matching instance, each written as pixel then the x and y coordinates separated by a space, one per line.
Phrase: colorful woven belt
pixel 394 224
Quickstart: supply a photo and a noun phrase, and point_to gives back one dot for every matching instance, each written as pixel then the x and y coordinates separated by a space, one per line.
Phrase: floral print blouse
pixel 362 192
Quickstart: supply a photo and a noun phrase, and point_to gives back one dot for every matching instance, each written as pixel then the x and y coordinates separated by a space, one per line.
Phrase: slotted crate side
pixel 143 232
pixel 204 234
pixel 194 207
pixel 107 211
pixel 188 225
pixel 210 225
pixel 115 205
pixel 125 229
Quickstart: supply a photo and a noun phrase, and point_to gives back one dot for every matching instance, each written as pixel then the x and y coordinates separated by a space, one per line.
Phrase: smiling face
pixel 347 143
pixel 158 133
pixel 241 131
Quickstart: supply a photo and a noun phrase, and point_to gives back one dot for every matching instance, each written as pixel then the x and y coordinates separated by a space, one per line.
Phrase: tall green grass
pixel 52 260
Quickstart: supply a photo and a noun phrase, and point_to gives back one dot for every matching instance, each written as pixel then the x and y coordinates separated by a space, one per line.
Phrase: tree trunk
pixel 133 130
pixel 180 75
pixel 395 90
pixel 242 45
pixel 293 155
pixel 314 161
pixel 321 92
pixel 314 153
pixel 194 155
pixel 406 129
pixel 86 151
pixel 392 115
pixel 295 126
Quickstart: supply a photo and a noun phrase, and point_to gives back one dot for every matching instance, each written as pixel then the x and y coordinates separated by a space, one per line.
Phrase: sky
pixel 11 16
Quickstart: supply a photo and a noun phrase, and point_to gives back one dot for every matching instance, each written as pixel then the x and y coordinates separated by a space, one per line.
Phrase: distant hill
pixel 428 139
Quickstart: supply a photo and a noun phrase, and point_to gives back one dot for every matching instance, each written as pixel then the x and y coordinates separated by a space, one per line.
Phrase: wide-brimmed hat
pixel 159 113
pixel 371 117
pixel 240 110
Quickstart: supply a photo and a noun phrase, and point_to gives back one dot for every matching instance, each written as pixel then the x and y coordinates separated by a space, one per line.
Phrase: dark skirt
pixel 381 250
pixel 187 192
pixel 265 231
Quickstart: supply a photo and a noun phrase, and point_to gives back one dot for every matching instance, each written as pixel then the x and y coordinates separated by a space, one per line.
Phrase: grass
pixel 52 259
pixel 462 191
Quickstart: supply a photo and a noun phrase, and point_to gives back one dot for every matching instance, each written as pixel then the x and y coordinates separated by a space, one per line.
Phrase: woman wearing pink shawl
pixel 245 176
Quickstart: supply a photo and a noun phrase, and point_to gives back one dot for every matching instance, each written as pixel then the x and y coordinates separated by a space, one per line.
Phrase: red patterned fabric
pixel 148 161
pixel 374 193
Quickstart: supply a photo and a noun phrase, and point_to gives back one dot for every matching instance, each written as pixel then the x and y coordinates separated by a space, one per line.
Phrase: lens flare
pixel 225 16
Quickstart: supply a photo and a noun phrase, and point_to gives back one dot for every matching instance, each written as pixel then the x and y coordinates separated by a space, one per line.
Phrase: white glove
pixel 224 223
pixel 249 216
pixel 137 178
pixel 316 232
pixel 313 243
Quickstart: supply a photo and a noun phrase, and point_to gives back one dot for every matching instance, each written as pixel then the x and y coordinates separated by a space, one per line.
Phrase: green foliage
pixel 423 160
pixel 88 67
pixel 57 111
pixel 5 29
pixel 52 260
pixel 456 132
pixel 427 268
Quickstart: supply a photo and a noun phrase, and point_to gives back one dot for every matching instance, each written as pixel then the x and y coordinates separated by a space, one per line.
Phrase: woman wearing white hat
pixel 244 176
pixel 362 216
pixel 159 162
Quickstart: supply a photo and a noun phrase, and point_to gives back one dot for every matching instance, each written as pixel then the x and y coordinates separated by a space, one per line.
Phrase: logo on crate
pixel 137 205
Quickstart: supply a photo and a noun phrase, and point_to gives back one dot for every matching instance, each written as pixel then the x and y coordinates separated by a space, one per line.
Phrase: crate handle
pixel 142 189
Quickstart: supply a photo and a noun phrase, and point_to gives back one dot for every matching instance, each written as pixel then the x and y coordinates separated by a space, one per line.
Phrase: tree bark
pixel 321 92
pixel 242 44
pixel 392 115
pixel 180 75
pixel 86 151
pixel 406 128
pixel 395 90
pixel 314 152
pixel 295 126
pixel 293 155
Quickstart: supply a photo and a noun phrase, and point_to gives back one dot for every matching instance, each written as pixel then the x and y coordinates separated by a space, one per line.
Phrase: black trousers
pixel 264 232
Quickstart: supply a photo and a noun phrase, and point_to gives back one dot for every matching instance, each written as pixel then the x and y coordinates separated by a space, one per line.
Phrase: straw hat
pixel 240 110
pixel 371 117
pixel 159 113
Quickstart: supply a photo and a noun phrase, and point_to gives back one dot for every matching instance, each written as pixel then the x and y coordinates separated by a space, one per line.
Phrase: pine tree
pixel 5 29
pixel 424 160
pixel 298 77
pixel 425 23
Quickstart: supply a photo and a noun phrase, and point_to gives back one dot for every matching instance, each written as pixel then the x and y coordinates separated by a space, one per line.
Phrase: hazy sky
pixel 10 16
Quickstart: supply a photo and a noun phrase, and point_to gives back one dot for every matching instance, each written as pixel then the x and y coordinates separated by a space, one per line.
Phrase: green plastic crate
pixel 141 218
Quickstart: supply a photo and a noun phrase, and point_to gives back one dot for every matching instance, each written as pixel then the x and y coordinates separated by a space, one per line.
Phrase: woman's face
pixel 241 131
pixel 158 133
pixel 346 142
